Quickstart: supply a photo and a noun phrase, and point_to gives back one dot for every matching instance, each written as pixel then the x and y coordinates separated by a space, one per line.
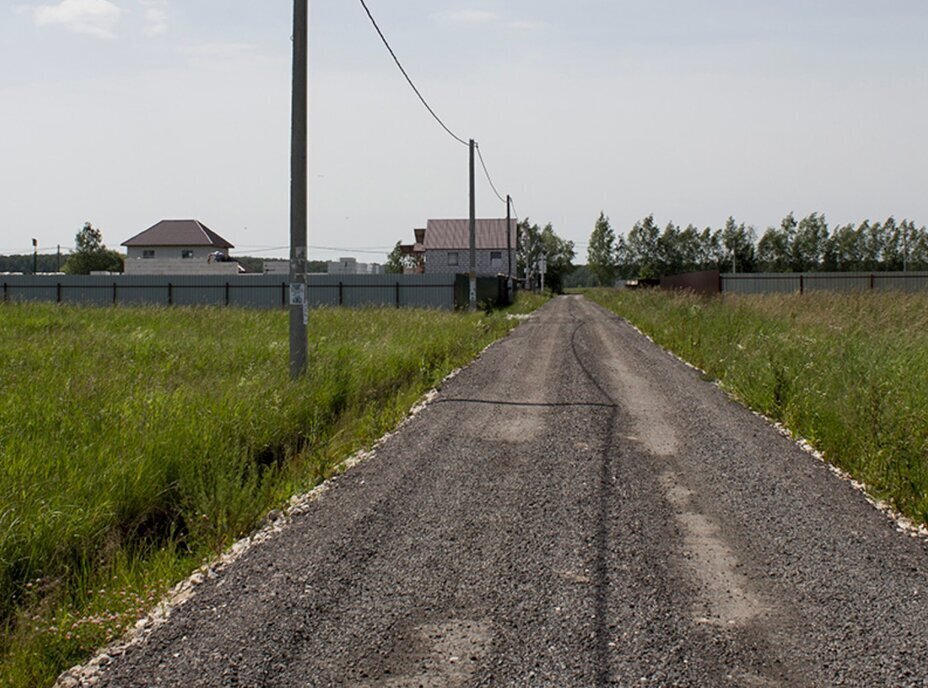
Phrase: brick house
pixel 444 246
pixel 179 247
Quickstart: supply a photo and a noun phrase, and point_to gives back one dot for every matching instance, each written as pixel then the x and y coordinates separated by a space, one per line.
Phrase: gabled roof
pixel 178 233
pixel 455 234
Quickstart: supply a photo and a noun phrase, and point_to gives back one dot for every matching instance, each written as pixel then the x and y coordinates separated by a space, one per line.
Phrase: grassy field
pixel 846 372
pixel 135 443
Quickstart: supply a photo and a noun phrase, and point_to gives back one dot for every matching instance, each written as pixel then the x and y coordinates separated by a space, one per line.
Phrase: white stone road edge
pixel 903 523
pixel 275 523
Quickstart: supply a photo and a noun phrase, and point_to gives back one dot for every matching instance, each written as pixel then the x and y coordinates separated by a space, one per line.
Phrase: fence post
pixel 170 294
pixel 341 294
pixel 283 294
pixel 871 282
pixel 6 288
pixel 802 286
pixel 227 293
pixel 58 292
pixel 114 293
pixel 397 294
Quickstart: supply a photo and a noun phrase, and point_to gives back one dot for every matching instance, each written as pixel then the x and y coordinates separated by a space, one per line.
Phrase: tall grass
pixel 847 372
pixel 136 442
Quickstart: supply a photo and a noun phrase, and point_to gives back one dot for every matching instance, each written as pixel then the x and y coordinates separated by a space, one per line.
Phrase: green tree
pixel 688 249
pixel 870 240
pixel 669 251
pixel 558 252
pixel 738 241
pixel 91 254
pixel 844 250
pixel 601 254
pixel 918 248
pixel 897 247
pixel 810 243
pixel 644 249
pixel 623 270
pixel 398 262
pixel 773 251
pixel 711 253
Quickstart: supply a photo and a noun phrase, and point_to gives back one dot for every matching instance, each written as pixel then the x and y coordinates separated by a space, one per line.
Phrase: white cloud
pixel 155 17
pixel 91 17
pixel 523 25
pixel 471 17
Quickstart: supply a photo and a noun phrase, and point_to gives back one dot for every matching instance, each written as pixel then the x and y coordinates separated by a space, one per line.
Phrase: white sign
pixel 298 294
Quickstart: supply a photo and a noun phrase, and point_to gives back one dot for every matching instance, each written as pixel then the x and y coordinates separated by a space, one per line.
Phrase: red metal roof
pixel 178 233
pixel 455 234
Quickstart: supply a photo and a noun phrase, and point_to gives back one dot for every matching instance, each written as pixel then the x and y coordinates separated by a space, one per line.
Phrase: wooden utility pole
pixel 473 233
pixel 298 190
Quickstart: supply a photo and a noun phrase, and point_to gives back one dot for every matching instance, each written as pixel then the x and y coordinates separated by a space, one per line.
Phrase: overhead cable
pixel 347 249
pixel 416 90
pixel 487 173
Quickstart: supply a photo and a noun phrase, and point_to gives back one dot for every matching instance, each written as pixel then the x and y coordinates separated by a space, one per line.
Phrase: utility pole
pixel 59 258
pixel 298 190
pixel 473 233
pixel 35 256
pixel 509 245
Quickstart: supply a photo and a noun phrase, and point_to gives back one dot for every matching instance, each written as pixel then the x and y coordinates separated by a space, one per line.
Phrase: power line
pixel 416 90
pixel 352 250
pixel 487 173
pixel 346 249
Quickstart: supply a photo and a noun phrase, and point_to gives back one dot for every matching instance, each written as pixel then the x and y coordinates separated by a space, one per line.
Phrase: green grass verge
pixel 136 443
pixel 846 372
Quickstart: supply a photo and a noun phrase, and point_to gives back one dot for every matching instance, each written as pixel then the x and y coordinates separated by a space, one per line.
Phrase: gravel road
pixel 577 508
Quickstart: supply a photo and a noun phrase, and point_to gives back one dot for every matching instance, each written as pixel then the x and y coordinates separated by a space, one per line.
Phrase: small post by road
pixel 298 190
pixel 473 233
pixel 509 245
pixel 542 269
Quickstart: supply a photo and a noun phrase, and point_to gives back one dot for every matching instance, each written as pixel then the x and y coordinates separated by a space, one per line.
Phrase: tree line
pixel 89 254
pixel 806 245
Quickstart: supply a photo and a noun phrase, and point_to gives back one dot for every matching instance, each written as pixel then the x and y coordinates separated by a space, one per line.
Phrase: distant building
pixel 277 267
pixel 350 266
pixel 444 247
pixel 179 247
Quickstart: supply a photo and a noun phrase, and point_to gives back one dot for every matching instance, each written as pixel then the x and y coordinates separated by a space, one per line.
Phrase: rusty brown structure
pixel 708 283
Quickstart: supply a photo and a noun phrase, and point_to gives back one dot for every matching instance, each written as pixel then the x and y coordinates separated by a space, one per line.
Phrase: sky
pixel 126 112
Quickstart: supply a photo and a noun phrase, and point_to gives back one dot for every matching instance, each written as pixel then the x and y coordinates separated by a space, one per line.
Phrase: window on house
pixel 496 259
pixel 452 257
pixel 148 253
pixel 186 253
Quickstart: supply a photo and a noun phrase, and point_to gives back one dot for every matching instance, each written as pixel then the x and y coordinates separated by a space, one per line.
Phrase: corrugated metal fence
pixel 249 291
pixel 786 283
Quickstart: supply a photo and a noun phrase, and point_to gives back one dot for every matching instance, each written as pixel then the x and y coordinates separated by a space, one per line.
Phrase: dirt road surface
pixel 577 508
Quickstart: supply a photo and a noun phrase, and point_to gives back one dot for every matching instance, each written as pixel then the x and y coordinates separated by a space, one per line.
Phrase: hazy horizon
pixel 126 112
